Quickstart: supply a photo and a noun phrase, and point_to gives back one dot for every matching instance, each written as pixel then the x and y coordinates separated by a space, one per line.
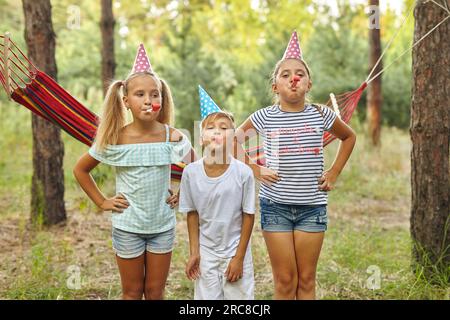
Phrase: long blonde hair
pixel 113 117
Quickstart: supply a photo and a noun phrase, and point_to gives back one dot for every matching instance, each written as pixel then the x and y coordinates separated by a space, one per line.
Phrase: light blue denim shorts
pixel 128 245
pixel 279 217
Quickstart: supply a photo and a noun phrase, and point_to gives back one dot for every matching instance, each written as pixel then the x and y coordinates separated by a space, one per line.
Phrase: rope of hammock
pixel 405 18
pixel 8 82
pixel 446 8
pixel 370 79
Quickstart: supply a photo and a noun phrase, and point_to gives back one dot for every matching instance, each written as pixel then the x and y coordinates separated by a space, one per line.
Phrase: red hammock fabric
pixel 347 103
pixel 47 99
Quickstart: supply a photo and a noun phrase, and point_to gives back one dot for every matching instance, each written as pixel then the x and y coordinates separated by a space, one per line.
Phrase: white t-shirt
pixel 220 202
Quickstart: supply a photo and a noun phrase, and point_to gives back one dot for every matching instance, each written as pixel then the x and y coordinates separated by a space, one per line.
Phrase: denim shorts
pixel 278 217
pixel 129 245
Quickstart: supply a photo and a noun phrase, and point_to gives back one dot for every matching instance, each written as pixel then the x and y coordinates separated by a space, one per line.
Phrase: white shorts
pixel 213 284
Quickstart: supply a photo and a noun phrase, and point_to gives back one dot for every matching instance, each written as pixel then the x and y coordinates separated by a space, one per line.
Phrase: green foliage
pixel 229 47
pixel 339 56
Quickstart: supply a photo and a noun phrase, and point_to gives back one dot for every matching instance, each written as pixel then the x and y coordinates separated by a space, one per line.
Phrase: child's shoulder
pixel 193 166
pixel 268 109
pixel 323 109
pixel 262 115
pixel 243 169
pixel 175 135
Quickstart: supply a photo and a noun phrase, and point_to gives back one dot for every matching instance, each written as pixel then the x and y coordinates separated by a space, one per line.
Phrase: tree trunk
pixel 47 189
pixel 430 130
pixel 374 94
pixel 107 28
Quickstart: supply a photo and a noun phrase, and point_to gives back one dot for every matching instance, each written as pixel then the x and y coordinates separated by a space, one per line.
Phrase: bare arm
pixel 193 264
pixel 243 134
pixel 82 172
pixel 246 231
pixel 193 230
pixel 348 139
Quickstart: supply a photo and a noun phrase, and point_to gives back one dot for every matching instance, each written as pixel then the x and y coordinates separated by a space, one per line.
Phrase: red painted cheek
pixel 156 107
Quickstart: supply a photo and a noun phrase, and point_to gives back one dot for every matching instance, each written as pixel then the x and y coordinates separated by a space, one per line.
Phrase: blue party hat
pixel 207 105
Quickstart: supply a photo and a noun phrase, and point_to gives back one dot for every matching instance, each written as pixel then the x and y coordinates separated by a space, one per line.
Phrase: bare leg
pixel 280 246
pixel 132 277
pixel 307 251
pixel 156 272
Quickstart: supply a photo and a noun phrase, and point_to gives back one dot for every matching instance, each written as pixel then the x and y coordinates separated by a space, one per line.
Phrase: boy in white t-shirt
pixel 218 194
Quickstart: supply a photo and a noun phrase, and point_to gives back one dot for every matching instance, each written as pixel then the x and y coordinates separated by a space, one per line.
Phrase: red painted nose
pixel 295 79
pixel 156 107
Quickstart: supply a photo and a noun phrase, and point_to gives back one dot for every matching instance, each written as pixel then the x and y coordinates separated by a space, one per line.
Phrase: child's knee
pixel 286 282
pixel 154 293
pixel 132 293
pixel 307 280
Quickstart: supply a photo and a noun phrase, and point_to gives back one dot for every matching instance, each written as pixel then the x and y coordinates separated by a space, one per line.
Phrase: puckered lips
pixel 154 107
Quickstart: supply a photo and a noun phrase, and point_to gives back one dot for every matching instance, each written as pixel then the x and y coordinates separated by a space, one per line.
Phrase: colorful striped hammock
pixel 38 92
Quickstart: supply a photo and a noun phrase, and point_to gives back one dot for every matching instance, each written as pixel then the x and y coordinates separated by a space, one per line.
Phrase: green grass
pixel 374 173
pixel 368 230
pixel 347 256
pixel 350 254
pixel 45 280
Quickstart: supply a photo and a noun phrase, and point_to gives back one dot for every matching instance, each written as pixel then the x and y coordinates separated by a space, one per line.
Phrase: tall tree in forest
pixel 374 94
pixel 430 132
pixel 47 189
pixel 107 23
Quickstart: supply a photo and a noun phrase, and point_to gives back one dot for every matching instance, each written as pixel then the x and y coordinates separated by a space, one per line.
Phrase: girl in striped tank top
pixel 294 185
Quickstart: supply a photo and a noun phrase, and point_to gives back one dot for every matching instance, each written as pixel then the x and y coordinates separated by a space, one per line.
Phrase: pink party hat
pixel 141 63
pixel 293 50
